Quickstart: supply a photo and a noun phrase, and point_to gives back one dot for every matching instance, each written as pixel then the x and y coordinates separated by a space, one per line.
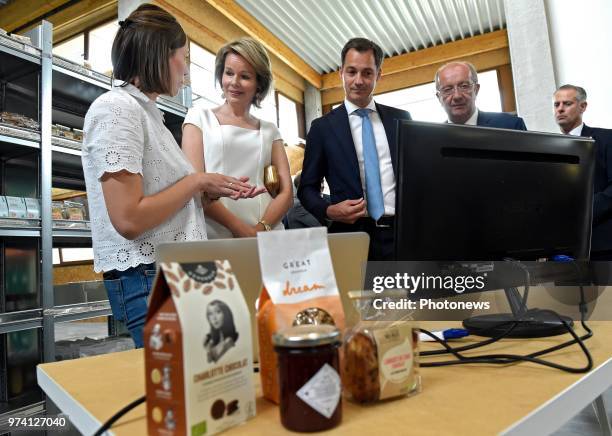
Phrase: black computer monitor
pixel 467 193
pixel 477 193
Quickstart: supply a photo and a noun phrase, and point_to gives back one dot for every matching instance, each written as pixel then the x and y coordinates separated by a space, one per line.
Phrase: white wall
pixel 581 41
pixel 532 64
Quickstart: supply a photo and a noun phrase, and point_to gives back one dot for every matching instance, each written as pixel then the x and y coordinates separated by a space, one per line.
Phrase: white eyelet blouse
pixel 124 130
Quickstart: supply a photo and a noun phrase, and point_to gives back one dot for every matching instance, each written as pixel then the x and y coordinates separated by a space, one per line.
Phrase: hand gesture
pixel 347 211
pixel 218 185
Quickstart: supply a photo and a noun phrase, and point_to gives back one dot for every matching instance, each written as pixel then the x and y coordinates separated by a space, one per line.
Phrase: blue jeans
pixel 128 292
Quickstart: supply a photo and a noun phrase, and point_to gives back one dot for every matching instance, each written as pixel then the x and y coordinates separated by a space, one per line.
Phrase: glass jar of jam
pixel 309 377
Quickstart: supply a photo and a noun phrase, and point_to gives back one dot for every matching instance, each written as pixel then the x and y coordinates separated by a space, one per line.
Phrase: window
pixel 288 120
pixel 423 105
pixel 92 46
pixel 76 254
pixel 204 90
pixel 62 256
pixel 100 46
pixel 72 49
pixel 56 256
pixel 267 111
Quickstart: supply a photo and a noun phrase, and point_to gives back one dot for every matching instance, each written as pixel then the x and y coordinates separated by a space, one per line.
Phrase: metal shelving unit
pixel 51 90
pixel 80 311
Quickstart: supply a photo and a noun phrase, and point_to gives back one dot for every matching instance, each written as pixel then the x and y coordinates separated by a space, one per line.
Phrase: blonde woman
pixel 229 140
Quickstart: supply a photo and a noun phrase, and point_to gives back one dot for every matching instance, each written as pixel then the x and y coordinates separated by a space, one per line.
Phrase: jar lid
pixel 302 336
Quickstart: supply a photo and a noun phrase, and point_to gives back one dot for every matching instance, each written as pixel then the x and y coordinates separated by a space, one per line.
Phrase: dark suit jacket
pixel 500 120
pixel 330 153
pixel 601 239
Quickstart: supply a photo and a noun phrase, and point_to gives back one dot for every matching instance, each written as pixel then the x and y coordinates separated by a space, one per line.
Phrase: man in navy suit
pixel 569 103
pixel 353 148
pixel 457 88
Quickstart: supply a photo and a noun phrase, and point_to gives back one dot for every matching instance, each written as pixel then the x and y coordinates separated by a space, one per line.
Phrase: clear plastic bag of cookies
pixel 380 357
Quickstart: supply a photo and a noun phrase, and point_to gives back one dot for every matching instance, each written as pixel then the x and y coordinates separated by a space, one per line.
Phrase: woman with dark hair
pixel 223 334
pixel 142 191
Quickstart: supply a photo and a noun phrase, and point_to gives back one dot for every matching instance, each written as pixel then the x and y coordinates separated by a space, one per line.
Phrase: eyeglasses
pixel 463 88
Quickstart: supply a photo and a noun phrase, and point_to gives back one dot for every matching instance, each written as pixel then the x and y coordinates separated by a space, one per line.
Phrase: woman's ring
pixel 230 184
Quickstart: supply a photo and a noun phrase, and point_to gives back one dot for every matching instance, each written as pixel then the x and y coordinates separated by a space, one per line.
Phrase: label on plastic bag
pixel 396 359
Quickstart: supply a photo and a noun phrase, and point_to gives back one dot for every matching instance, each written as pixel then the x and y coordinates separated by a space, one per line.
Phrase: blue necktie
pixel 374 195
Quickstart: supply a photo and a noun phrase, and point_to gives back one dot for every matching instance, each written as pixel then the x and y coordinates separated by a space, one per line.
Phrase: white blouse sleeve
pixel 114 136
pixel 194 116
pixel 276 134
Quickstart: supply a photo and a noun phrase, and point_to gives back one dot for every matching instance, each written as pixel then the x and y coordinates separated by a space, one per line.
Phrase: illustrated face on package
pixel 198 351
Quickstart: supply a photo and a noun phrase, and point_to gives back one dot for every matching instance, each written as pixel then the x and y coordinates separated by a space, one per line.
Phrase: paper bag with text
pixel 299 287
pixel 198 351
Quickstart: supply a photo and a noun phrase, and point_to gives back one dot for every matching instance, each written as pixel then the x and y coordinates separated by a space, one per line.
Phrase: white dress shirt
pixel 472 121
pixel 577 131
pixel 387 177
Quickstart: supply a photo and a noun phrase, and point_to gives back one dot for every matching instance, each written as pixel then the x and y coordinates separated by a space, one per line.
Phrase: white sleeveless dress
pixel 236 151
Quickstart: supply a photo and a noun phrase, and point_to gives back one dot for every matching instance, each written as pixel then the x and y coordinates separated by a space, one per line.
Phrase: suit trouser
pixel 382 246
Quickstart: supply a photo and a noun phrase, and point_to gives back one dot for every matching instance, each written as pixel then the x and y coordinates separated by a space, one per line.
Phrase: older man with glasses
pixel 457 87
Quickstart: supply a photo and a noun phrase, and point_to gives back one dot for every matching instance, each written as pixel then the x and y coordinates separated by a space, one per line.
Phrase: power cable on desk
pixel 505 359
pixel 471 346
pixel 109 423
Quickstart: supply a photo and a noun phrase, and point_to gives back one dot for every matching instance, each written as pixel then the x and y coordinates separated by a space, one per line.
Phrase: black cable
pixel 478 344
pixel 109 423
pixel 506 359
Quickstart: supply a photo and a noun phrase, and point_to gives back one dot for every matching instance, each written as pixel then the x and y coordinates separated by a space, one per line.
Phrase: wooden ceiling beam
pixel 81 16
pixel 421 75
pixel 211 29
pixel 254 28
pixel 437 55
pixel 21 12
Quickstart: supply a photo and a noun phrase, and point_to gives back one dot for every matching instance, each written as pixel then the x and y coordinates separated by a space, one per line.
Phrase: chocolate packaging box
pixel 198 351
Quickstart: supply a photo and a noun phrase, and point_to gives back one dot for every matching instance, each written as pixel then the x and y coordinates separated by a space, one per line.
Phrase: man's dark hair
pixel 362 45
pixel 143 46
pixel 581 94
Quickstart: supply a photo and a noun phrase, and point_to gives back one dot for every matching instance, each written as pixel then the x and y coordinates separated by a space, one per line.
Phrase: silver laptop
pixel 349 254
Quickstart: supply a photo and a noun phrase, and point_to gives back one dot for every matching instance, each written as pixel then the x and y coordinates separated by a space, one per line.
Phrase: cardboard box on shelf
pixel 16 207
pixel 32 208
pixel 4 212
pixel 57 210
pixel 74 211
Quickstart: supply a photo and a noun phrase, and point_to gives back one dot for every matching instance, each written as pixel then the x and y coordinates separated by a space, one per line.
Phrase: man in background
pixel 569 104
pixel 457 88
pixel 297 217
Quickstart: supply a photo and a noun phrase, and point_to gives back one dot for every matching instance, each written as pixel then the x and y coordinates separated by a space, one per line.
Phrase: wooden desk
pixel 467 399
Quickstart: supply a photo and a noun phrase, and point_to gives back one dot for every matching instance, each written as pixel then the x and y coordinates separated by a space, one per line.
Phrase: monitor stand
pixel 532 323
